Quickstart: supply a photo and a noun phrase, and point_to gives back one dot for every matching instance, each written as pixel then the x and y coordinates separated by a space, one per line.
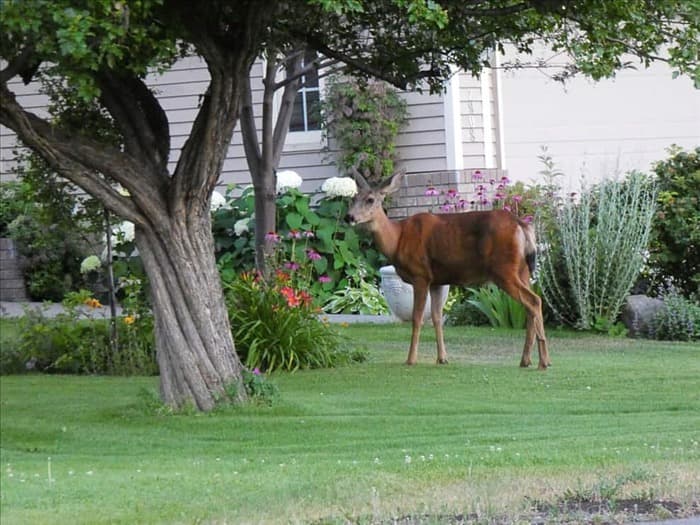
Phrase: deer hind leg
pixel 420 296
pixel 519 290
pixel 437 297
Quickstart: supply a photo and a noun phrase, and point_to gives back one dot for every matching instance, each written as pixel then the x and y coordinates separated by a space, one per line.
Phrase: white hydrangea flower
pixel 241 227
pixel 217 201
pixel 90 263
pixel 287 179
pixel 340 187
pixel 123 233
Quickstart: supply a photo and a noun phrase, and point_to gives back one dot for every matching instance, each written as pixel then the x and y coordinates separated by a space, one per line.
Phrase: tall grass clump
pixel 594 251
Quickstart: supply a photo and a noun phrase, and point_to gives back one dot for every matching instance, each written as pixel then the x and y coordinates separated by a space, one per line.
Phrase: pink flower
pixel 294 234
pixel 324 279
pixel 517 198
pixel 291 265
pixel 446 207
pixel 256 371
pixel 272 237
pixel 505 180
pixel 313 255
pixel 452 193
pixel 477 175
pixel 431 191
pixel 308 234
pixel 528 219
pixel 507 208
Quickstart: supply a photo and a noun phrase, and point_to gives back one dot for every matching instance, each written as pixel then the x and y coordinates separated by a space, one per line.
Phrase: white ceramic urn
pixel 399 295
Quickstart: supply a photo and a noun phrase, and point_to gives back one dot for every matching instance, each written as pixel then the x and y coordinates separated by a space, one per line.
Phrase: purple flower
pixel 272 237
pixel 431 191
pixel 505 180
pixel 517 198
pixel 324 279
pixel 308 234
pixel 528 219
pixel 507 208
pixel 291 265
pixel 294 234
pixel 256 371
pixel 451 193
pixel 477 175
pixel 313 255
pixel 499 196
pixel 447 207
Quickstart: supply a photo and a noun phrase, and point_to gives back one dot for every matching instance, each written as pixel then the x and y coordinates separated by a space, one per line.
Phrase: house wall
pixel 421 145
pixel 596 130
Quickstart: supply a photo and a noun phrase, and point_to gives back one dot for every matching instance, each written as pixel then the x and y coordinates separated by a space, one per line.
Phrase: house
pixel 494 123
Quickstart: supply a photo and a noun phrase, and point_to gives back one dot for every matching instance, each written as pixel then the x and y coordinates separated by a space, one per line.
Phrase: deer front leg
pixel 420 295
pixel 437 298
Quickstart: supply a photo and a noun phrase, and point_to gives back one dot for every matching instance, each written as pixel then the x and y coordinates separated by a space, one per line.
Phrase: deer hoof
pixel 442 361
pixel 525 364
pixel 410 363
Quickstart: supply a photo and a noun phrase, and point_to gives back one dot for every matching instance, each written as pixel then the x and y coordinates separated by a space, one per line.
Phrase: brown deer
pixel 454 248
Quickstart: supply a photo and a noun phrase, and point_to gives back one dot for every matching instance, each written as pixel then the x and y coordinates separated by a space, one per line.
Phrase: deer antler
pixel 359 178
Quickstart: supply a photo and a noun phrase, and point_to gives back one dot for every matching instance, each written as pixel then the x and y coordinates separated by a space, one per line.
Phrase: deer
pixel 471 248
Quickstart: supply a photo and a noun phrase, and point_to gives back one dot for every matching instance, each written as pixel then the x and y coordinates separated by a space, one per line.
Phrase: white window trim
pixel 301 140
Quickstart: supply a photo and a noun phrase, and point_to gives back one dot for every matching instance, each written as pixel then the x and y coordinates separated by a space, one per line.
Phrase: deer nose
pixel 349 218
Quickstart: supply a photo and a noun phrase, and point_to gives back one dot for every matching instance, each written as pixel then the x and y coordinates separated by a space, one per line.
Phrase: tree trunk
pixel 195 350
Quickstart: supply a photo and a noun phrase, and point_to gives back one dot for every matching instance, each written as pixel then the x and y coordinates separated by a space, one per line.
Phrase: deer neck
pixel 386 235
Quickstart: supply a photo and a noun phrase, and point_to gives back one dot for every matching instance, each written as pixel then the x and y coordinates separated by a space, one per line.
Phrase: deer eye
pixel 370 200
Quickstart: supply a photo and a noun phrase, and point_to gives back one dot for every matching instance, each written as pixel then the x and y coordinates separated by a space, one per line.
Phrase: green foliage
pixel 364 118
pixel 594 251
pixel 82 340
pixel 675 240
pixel 78 38
pixel 460 312
pixel 259 388
pixel 53 226
pixel 500 309
pixel 679 320
pixel 342 255
pixel 361 297
pixel 276 327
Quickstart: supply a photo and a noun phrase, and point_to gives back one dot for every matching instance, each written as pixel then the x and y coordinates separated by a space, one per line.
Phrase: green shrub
pixel 276 326
pixel 53 225
pixel 675 241
pixel 344 257
pixel 460 312
pixel 679 320
pixel 501 310
pixel 364 118
pixel 594 251
pixel 79 342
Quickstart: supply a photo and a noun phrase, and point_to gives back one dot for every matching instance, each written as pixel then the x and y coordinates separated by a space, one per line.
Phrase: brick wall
pixel 412 198
pixel 11 279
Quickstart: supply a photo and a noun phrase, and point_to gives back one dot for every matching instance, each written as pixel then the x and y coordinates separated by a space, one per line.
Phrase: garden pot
pixel 399 295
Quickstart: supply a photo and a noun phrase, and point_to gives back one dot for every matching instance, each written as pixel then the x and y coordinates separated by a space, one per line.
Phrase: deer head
pixel 367 204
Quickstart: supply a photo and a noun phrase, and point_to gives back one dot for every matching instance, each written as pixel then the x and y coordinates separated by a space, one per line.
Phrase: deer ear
pixel 392 184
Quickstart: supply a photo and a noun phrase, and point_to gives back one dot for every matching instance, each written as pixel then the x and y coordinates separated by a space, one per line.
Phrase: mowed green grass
pixel 366 442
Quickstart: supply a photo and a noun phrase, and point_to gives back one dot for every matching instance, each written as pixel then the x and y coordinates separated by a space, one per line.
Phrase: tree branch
pixel 249 130
pixel 84 162
pixel 23 64
pixel 140 117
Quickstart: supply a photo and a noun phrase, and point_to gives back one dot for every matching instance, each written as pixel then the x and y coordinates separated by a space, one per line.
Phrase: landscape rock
pixel 638 313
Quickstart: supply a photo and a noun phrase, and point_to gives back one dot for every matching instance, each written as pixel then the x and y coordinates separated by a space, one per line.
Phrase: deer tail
pixel 530 245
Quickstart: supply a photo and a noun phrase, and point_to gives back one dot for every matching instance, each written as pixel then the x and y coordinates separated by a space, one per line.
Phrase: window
pixel 306 114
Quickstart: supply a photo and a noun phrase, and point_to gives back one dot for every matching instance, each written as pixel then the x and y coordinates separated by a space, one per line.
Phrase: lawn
pixel 478 439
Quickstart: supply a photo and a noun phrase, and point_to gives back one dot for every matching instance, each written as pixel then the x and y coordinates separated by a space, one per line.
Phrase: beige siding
pixel 477 114
pixel 421 145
